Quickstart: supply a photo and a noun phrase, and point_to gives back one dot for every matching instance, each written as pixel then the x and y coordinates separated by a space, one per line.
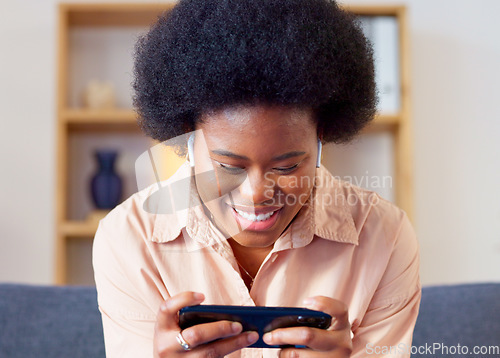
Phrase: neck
pixel 250 258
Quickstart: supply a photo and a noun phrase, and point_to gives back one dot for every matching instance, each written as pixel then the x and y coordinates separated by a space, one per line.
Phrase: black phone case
pixel 259 319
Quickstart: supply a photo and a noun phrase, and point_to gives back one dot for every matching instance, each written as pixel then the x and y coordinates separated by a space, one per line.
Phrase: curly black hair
pixel 205 55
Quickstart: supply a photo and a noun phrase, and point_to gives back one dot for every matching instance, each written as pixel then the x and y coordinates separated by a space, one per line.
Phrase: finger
pixel 335 308
pixel 168 318
pixel 208 332
pixel 313 338
pixel 228 345
pixel 303 353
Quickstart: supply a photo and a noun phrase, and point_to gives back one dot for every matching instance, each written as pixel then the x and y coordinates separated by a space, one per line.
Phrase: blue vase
pixel 106 185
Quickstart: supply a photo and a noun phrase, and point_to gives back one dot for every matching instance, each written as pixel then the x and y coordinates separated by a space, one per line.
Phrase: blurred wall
pixel 455 56
pixel 27 134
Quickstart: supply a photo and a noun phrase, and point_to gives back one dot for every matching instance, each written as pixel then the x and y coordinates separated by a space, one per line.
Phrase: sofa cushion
pixel 49 321
pixel 467 315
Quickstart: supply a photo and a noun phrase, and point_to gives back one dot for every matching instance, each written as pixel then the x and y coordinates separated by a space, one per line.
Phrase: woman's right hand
pixel 198 337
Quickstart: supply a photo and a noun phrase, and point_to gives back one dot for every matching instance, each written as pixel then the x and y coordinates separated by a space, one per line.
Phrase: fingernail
pixel 252 337
pixel 309 301
pixel 267 337
pixel 198 296
pixel 236 327
pixel 163 306
pixel 332 324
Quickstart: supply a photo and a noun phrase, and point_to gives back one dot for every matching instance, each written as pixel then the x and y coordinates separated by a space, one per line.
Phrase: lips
pixel 256 219
pixel 253 217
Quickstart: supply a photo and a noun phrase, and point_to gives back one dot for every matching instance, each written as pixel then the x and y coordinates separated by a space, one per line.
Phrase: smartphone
pixel 259 319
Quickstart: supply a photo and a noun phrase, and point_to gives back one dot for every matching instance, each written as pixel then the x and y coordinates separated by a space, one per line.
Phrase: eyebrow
pixel 228 154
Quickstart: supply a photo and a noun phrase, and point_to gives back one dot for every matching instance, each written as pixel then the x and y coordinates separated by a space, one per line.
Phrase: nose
pixel 257 188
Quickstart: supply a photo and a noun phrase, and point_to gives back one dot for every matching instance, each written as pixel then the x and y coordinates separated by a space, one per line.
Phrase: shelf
pixel 77 116
pixel 375 10
pixel 100 120
pixel 387 119
pixel 113 14
pixel 138 14
pixel 82 229
pixel 129 116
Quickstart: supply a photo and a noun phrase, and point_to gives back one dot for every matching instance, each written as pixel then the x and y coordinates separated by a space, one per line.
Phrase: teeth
pixel 253 217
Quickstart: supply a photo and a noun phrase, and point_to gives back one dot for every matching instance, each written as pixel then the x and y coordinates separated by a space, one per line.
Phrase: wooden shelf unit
pixel 71 119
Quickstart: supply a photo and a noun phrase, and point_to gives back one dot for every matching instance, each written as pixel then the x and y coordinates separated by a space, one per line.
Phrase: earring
pixel 190 144
pixel 318 160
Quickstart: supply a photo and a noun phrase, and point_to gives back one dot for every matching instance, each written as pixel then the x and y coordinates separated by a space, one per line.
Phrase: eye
pixel 286 170
pixel 230 168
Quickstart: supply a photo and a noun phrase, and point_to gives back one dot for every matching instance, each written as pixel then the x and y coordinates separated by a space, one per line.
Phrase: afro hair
pixel 205 55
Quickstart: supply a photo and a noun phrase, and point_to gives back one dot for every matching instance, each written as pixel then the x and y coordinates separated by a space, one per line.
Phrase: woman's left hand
pixel 334 342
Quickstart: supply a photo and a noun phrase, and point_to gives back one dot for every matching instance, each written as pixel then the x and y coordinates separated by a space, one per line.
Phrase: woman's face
pixel 261 164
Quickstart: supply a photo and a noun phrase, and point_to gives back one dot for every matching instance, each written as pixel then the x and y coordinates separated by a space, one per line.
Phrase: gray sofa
pixel 465 315
pixel 49 322
pixel 64 322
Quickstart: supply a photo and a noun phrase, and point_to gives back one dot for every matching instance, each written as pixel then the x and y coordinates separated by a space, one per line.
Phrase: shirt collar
pixel 326 214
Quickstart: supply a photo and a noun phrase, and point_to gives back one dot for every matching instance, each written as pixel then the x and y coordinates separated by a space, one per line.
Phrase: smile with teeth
pixel 253 217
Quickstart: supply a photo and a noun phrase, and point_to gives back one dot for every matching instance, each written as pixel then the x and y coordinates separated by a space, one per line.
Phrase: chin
pixel 254 239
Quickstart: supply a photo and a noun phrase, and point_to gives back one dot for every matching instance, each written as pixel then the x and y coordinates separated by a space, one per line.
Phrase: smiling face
pixel 264 161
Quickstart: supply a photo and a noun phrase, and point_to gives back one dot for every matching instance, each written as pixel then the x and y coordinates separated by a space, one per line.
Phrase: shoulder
pixel 121 240
pixel 130 216
pixel 369 215
pixel 386 239
pixel 138 218
pixel 124 249
pixel 373 214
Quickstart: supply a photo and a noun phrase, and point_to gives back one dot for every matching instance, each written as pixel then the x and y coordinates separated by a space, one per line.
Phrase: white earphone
pixel 320 148
pixel 190 144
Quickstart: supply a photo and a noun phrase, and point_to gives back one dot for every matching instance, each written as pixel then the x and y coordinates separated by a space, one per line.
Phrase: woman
pixel 256 86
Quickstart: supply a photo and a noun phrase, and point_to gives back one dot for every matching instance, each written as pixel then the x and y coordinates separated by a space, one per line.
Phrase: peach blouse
pixel 346 243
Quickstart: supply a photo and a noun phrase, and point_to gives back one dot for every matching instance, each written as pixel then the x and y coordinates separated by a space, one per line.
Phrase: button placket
pixel 224 250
